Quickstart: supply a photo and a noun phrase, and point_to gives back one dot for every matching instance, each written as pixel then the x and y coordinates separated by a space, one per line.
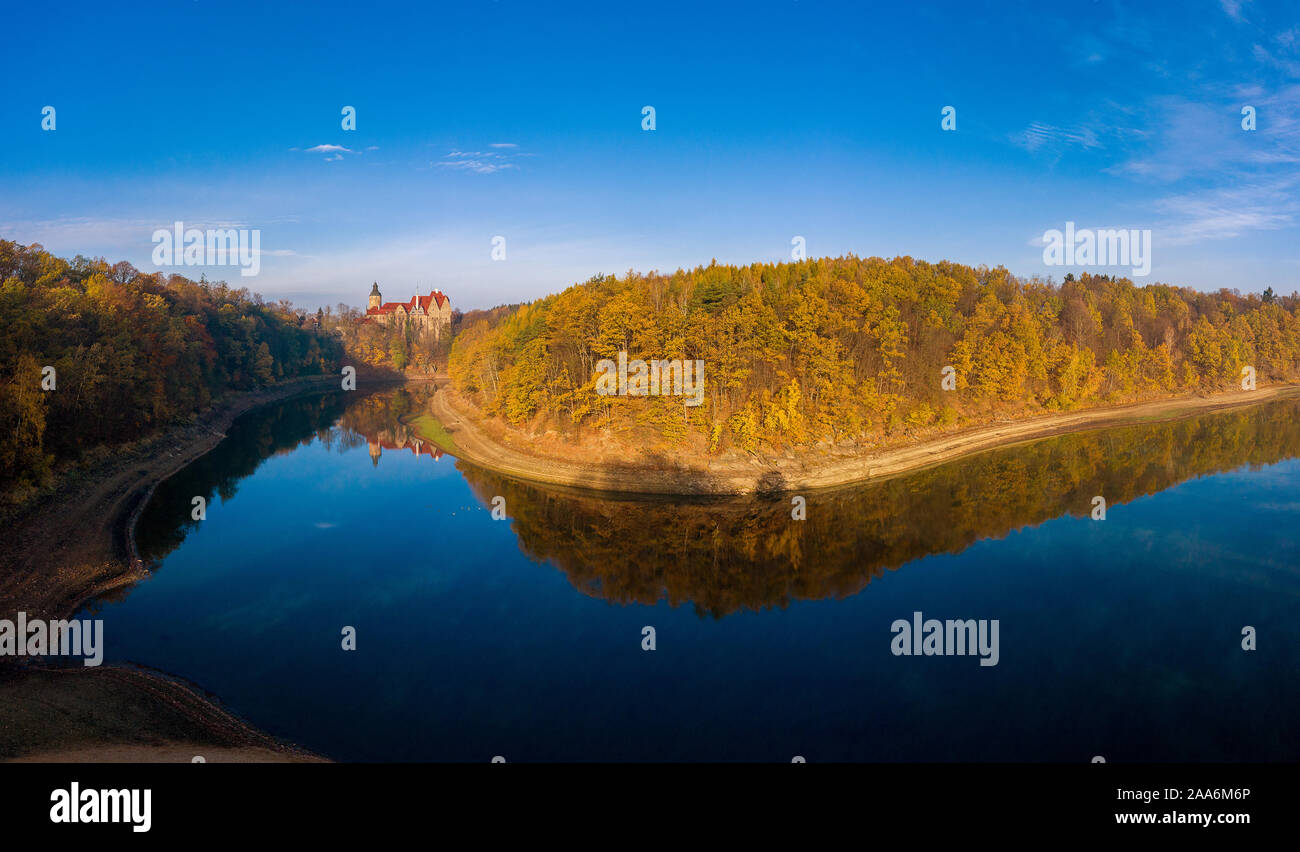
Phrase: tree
pixel 852 348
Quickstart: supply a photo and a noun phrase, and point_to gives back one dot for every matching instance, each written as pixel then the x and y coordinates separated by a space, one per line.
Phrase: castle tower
pixel 375 298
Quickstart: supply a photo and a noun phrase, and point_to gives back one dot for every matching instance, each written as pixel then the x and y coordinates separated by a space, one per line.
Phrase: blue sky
pixel 773 120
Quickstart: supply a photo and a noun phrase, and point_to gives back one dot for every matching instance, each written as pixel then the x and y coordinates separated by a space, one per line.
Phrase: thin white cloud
pixel 120 238
pixel 334 152
pixel 1232 8
pixel 81 235
pixel 1039 136
pixel 544 260
pixel 1204 139
pixel 1290 67
pixel 1225 213
pixel 1227 182
pixel 482 162
pixel 481 167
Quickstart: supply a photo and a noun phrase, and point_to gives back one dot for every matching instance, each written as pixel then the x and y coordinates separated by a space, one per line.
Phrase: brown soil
pixel 77 544
pixel 488 444
pixel 113 714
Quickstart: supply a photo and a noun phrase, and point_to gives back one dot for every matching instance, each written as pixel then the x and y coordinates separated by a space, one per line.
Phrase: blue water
pixel 1119 638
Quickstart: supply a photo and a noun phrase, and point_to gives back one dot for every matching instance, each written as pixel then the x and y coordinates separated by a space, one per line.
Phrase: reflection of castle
pixel 403 440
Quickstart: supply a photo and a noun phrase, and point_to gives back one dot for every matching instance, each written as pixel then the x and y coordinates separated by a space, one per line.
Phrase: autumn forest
pixel 846 350
pixel 854 350
pixel 131 352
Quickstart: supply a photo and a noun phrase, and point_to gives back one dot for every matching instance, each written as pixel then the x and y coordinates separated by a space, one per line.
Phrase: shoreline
pixel 78 543
pixel 50 573
pixel 727 478
pixel 121 714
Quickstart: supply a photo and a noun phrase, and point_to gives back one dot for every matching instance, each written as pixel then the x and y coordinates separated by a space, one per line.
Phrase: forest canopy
pixel 853 349
pixel 131 353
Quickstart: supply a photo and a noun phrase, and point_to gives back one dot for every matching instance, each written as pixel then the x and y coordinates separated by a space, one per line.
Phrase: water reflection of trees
pixel 725 556
pixel 362 420
pixel 251 440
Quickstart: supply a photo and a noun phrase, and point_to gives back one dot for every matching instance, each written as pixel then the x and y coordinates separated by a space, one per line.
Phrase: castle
pixel 402 440
pixel 430 314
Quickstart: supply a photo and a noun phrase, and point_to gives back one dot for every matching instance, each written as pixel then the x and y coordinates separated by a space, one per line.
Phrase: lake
pixel 523 637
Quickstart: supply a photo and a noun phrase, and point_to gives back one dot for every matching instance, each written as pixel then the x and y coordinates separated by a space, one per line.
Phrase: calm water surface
pixel 522 637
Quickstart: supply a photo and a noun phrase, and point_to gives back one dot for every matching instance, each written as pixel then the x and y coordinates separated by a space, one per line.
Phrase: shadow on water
pixel 731 555
pixel 1119 638
pixel 727 555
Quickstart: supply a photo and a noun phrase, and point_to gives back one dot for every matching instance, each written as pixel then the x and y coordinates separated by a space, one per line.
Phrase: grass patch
pixel 431 429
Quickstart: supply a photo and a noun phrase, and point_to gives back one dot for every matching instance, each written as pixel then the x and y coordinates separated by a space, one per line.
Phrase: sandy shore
pixel 474 443
pixel 78 544
pixel 122 715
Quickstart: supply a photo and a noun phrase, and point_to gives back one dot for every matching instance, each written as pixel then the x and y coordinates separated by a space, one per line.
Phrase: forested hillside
pixel 131 352
pixel 852 349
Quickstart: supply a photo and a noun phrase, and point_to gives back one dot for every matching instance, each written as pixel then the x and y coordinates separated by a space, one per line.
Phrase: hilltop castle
pixel 431 313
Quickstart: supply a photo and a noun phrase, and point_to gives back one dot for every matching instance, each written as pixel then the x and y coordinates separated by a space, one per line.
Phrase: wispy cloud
pixel 1039 136
pixel 1290 67
pixel 121 238
pixel 334 152
pixel 1232 8
pixel 85 235
pixel 1204 139
pixel 1288 39
pixel 1225 213
pixel 462 265
pixel 1228 181
pixel 483 162
pixel 1199 175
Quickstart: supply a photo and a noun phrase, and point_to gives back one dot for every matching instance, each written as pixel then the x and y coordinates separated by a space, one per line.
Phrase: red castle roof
pixel 424 448
pixel 384 441
pixel 425 302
